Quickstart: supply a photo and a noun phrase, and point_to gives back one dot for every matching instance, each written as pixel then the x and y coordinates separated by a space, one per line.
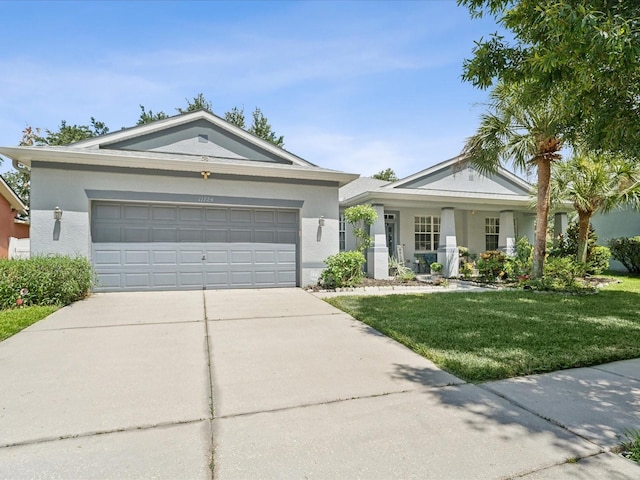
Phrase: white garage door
pixel 138 246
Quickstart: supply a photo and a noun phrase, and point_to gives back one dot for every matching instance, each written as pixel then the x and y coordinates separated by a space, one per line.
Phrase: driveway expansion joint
pixel 614 373
pixel 548 467
pixel 337 400
pixel 266 317
pixel 113 325
pixel 100 432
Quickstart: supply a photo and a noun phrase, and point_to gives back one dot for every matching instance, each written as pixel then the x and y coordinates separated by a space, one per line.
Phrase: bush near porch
pixel 495 335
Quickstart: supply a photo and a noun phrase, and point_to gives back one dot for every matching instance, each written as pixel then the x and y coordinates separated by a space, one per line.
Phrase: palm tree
pixel 524 132
pixel 595 183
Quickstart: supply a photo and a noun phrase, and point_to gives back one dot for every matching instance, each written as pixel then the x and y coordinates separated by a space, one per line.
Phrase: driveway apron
pixel 115 386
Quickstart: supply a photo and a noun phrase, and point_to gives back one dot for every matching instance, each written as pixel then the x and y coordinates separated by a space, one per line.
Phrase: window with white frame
pixel 342 233
pixel 491 232
pixel 426 232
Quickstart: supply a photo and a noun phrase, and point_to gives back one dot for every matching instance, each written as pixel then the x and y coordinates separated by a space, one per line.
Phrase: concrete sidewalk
pixel 121 386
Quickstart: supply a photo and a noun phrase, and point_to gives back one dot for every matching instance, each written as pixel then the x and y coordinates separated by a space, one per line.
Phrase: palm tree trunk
pixel 583 235
pixel 542 215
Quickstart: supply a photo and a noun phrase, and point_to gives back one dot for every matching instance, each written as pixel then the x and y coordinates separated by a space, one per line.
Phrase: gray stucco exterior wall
pixel 53 187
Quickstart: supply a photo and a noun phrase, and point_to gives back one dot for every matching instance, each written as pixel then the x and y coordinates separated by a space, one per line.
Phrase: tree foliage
pixel 64 135
pixel 585 54
pixel 19 183
pixel 527 134
pixel 199 102
pixel 388 175
pixel 595 182
pixel 148 117
pixel 361 217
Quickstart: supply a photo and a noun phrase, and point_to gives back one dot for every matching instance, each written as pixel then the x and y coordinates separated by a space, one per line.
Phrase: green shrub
pixel 627 252
pixel 344 269
pixel 567 246
pixel 522 263
pixel 435 267
pixel 491 265
pixel 564 270
pixel 44 280
pixel 598 261
pixel 405 274
pixel 466 270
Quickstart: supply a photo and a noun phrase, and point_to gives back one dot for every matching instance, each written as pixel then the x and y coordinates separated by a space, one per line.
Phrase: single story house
pixel 431 213
pixel 12 226
pixel 187 202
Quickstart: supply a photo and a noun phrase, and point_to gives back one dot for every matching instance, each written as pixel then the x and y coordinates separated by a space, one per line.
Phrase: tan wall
pixel 9 228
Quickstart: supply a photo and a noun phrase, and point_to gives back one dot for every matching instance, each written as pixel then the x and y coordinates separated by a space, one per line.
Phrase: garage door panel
pixel 107 257
pixel 136 257
pixel 265 236
pixel 165 257
pixel 160 247
pixel 217 257
pixel 136 212
pixel 167 214
pixel 216 235
pixel 133 234
pixel 165 279
pixel 166 234
pixel 191 214
pixel 240 215
pixel 218 215
pixel 137 279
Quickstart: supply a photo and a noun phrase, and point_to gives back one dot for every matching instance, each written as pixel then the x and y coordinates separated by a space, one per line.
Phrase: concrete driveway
pixel 262 384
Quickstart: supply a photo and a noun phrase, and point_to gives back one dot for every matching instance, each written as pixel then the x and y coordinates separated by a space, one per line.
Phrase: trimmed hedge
pixel 44 280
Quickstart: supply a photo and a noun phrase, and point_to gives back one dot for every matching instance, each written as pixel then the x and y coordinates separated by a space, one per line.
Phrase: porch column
pixel 560 224
pixel 448 245
pixel 506 233
pixel 378 254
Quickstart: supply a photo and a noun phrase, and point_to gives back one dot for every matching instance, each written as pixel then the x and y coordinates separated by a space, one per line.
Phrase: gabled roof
pixel 128 134
pixel 7 192
pixel 126 149
pixel 457 163
pixel 444 182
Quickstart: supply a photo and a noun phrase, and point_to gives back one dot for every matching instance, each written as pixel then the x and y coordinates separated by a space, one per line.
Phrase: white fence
pixel 19 247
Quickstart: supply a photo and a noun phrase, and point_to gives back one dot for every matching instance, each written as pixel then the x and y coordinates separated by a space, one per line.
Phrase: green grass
pixel 14 320
pixel 495 335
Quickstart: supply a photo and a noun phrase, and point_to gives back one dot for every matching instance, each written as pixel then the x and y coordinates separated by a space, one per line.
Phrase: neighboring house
pixel 623 222
pixel 431 213
pixel 12 226
pixel 184 203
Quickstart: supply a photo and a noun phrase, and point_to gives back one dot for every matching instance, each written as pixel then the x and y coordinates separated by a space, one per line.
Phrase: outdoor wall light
pixel 321 221
pixel 57 214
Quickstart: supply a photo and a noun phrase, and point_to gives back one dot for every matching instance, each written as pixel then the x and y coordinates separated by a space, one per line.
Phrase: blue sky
pixel 354 86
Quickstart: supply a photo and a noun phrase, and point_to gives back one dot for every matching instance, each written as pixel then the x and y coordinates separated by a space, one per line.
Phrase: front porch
pixel 421 235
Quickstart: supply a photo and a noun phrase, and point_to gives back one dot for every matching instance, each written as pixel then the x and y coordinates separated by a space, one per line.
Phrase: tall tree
pixel 148 117
pixel 235 116
pixel 595 183
pixel 527 135
pixel 199 102
pixel 262 128
pixel 19 183
pixel 64 135
pixel 389 175
pixel 583 53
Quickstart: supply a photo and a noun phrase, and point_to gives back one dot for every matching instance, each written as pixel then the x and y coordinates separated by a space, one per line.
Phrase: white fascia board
pixel 442 196
pixel 120 158
pixel 449 163
pixel 159 125
pixel 11 197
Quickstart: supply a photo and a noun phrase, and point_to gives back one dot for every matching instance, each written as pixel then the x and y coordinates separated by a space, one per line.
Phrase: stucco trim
pixel 183 174
pixel 192 198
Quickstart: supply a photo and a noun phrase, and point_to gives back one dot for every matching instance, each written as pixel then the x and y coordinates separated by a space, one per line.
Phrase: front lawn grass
pixel 495 335
pixel 14 320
